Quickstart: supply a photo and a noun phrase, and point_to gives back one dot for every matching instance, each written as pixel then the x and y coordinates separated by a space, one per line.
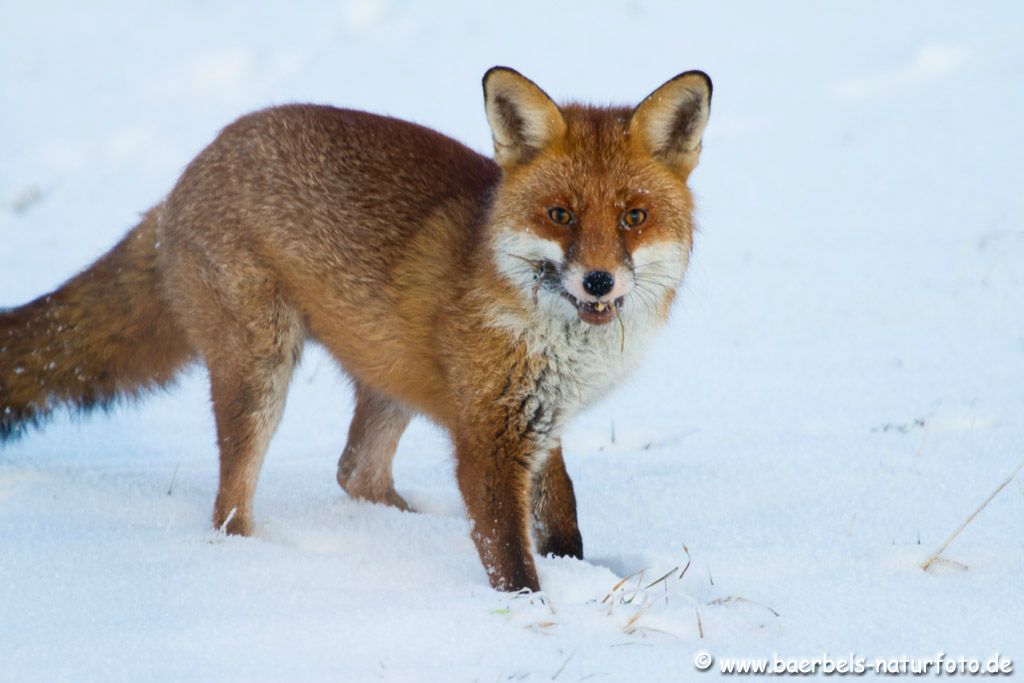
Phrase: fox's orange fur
pixel 482 295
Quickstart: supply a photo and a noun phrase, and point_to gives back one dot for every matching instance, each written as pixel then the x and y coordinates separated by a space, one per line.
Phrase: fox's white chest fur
pixel 578 363
pixel 586 360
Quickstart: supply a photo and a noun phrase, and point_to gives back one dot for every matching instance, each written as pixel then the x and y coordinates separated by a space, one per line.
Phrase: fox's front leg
pixel 553 508
pixel 494 479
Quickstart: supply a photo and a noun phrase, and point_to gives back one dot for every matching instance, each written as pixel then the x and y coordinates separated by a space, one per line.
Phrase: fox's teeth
pixel 599 306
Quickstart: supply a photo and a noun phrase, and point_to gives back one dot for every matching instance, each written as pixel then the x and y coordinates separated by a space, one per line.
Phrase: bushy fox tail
pixel 104 334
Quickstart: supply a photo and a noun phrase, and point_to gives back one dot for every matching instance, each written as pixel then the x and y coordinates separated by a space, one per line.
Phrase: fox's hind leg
pixel 251 341
pixel 249 387
pixel 553 508
pixel 248 401
pixel 364 470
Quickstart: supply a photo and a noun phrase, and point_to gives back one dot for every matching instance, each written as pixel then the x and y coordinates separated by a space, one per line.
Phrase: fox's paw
pixel 232 523
pixel 386 496
pixel 392 498
pixel 569 544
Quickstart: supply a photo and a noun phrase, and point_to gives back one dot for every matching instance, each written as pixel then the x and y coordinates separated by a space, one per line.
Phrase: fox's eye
pixel 633 218
pixel 560 215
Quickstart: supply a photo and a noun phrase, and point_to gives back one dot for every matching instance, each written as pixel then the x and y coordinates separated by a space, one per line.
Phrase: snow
pixel 839 387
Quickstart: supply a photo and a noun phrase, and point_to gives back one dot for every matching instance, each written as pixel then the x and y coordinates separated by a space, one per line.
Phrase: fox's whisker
pixel 647 295
pixel 648 264
pixel 655 275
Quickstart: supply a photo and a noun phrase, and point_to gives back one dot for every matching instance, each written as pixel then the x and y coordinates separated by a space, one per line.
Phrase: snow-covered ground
pixel 841 385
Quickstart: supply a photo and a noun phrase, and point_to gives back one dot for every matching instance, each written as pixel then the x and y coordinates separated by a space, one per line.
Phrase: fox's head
pixel 593 216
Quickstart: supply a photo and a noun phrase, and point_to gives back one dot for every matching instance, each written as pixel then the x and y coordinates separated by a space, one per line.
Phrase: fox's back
pixel 305 178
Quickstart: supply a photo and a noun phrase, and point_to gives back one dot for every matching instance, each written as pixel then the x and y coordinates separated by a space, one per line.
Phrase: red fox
pixel 496 298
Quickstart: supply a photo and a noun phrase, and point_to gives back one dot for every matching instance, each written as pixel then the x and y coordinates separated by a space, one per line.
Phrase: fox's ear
pixel 670 121
pixel 524 120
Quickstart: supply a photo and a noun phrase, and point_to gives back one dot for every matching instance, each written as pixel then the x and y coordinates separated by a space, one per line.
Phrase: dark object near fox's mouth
pixel 594 312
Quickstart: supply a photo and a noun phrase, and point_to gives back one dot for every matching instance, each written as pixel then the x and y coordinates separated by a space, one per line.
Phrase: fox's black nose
pixel 598 282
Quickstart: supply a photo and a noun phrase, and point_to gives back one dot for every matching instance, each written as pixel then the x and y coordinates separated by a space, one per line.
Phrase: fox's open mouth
pixel 594 312
pixel 548 276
